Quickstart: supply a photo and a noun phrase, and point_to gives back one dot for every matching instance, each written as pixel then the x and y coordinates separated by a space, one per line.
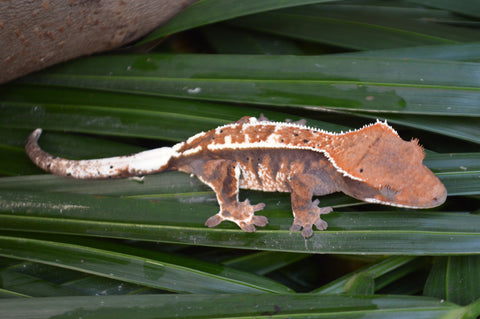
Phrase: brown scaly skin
pixel 372 164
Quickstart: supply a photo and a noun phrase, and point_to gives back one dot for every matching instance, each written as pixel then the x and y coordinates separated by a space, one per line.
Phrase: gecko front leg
pixel 223 177
pixel 307 213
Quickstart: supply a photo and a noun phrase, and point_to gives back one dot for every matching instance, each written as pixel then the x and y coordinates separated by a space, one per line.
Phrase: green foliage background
pixel 131 248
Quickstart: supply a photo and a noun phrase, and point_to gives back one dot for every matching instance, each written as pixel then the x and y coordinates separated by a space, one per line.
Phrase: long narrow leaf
pixel 466 7
pixel 348 26
pixel 347 83
pixel 211 11
pixel 106 113
pixel 156 272
pixel 231 306
pixel 371 272
pixel 452 52
pixel 455 279
pixel 463 127
pixel 398 232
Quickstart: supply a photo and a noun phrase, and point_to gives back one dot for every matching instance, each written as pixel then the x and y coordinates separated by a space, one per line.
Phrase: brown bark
pixel 35 34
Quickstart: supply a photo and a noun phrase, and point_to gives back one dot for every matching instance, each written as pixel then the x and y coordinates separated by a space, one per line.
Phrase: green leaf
pixel 317 82
pixel 369 278
pixel 120 104
pixel 454 162
pixel 115 114
pixel 461 127
pixel 220 37
pixel 400 232
pixel 71 282
pixel 265 261
pixel 465 7
pixel 211 11
pixel 152 269
pixel 4 293
pixel 25 284
pixel 231 306
pixel 455 278
pixel 452 52
pixel 14 161
pixel 348 26
pixel 360 284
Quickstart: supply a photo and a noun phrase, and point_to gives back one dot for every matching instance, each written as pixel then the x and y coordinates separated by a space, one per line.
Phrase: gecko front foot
pixel 241 213
pixel 306 218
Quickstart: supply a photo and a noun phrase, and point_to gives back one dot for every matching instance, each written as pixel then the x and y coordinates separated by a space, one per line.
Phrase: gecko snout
pixel 438 195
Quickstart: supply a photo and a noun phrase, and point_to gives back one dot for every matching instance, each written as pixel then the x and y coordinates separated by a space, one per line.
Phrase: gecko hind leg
pixel 306 212
pixel 242 214
pixel 223 177
pixel 309 216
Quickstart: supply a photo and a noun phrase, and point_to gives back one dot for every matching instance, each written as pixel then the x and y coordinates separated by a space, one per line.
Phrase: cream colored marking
pixel 281 176
pixel 140 163
pixel 274 139
pixel 377 201
pixel 194 137
pixel 238 172
pixel 248 179
pixel 192 151
pixel 264 172
pixel 220 128
pixel 178 146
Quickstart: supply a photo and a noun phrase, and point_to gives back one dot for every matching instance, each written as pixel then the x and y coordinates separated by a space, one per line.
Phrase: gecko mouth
pixel 377 201
pixel 434 202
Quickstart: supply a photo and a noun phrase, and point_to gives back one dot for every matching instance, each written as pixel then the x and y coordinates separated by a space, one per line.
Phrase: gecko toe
pixel 321 224
pixel 213 221
pixel 249 228
pixel 260 221
pixel 307 218
pixel 295 227
pixel 326 210
pixel 255 207
pixel 307 231
pixel 258 207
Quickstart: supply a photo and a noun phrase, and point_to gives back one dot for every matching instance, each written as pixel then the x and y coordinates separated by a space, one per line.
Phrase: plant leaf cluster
pixel 138 248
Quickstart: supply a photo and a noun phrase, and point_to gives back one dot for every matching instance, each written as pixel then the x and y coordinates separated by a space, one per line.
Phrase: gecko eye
pixel 388 192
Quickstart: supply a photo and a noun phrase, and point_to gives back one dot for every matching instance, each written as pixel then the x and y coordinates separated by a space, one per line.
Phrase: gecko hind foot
pixel 306 220
pixel 241 214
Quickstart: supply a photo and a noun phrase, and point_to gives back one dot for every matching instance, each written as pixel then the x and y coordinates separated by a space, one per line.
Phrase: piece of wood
pixel 37 34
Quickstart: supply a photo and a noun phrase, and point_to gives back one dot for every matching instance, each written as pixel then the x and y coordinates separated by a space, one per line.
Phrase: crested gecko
pixel 372 164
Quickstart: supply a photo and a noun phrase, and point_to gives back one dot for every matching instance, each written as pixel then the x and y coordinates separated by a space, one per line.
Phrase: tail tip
pixel 36 133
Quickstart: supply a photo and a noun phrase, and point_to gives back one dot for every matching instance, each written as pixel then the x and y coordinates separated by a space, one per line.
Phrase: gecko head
pixel 390 171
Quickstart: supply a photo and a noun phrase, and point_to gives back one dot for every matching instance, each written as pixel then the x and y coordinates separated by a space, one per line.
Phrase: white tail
pixel 143 163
